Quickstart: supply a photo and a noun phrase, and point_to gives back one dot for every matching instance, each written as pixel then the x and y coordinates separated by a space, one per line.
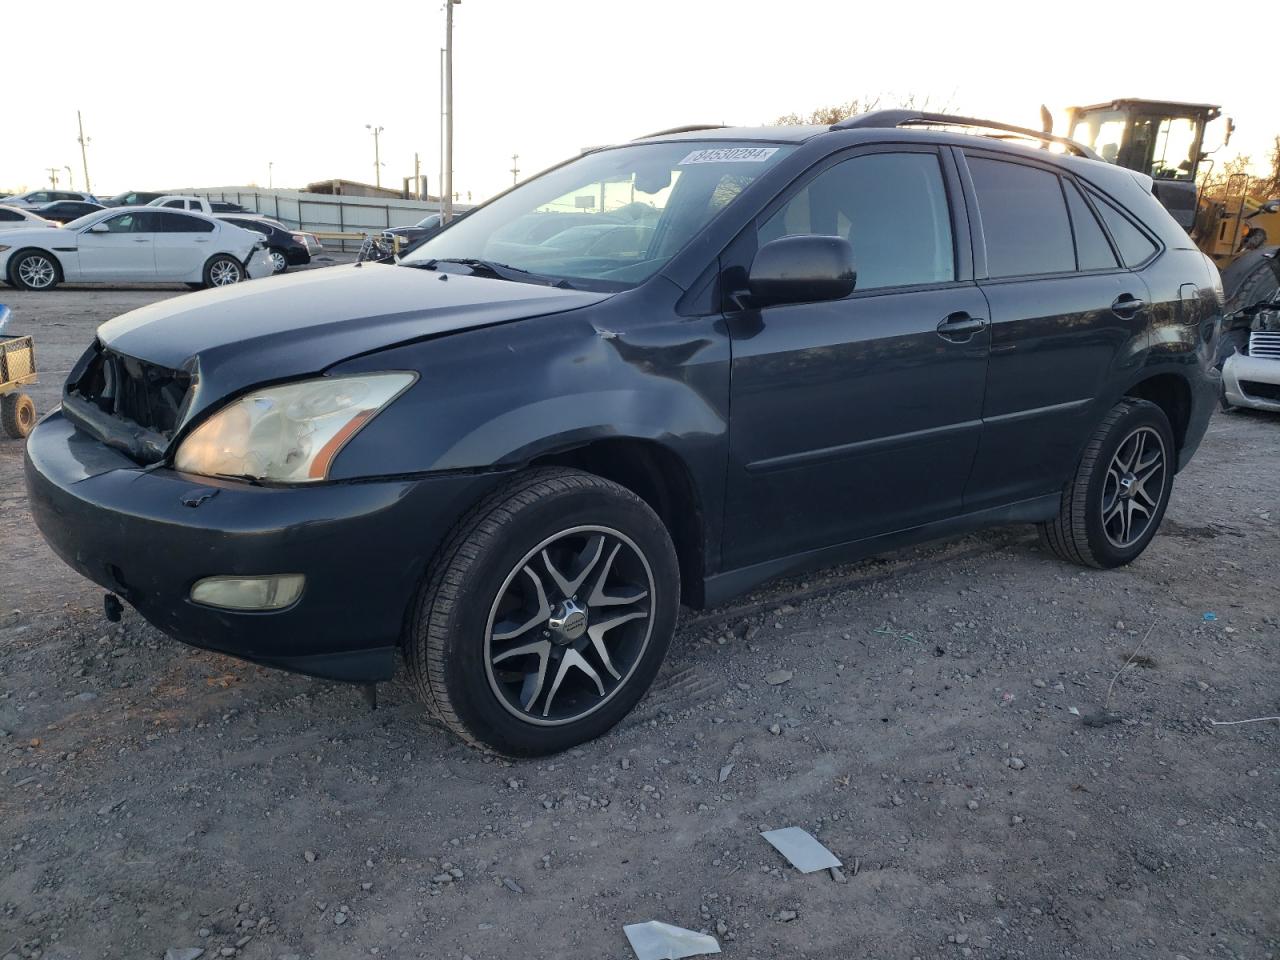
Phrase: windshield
pixel 610 219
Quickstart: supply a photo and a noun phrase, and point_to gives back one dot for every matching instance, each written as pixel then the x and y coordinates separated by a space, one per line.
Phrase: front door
pixel 126 251
pixel 859 416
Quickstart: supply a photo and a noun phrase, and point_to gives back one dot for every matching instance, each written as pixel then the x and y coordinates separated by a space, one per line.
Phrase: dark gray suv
pixel 661 372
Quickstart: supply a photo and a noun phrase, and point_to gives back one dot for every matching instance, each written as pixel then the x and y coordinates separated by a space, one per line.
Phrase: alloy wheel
pixel 224 273
pixel 278 261
pixel 1133 487
pixel 36 271
pixel 569 625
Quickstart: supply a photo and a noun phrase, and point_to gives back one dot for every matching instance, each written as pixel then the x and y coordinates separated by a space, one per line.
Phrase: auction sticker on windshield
pixel 730 155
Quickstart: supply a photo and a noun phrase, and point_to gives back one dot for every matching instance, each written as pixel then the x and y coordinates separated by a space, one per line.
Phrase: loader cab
pixel 1162 139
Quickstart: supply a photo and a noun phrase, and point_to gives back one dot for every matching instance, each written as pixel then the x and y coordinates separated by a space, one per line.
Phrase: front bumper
pixel 1239 375
pixel 363 547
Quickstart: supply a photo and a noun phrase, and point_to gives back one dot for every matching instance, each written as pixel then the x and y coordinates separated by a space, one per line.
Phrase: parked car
pixel 13 218
pixel 134 245
pixel 226 206
pixel 285 247
pixel 64 211
pixel 34 198
pixel 131 198
pixel 840 340
pixel 1251 372
pixel 182 202
pixel 428 226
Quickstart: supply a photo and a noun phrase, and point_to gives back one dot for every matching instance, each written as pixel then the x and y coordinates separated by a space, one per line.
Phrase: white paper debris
pixel 805 853
pixel 656 940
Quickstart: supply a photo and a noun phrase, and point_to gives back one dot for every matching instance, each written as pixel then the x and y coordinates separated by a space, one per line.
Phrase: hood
pixel 297 324
pixel 11 236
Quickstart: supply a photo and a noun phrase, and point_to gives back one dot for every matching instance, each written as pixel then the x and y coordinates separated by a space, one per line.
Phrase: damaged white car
pixel 1251 375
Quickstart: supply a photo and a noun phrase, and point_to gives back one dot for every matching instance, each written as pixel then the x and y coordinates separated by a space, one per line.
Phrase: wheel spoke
pixel 540 648
pixel 569 588
pixel 596 633
pixel 543 612
pixel 571 658
pixel 599 598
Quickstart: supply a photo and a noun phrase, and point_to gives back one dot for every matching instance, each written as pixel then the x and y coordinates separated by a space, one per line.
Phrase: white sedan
pixel 134 245
pixel 16 218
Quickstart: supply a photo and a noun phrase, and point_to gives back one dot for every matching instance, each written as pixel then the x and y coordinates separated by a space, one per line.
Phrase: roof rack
pixel 690 128
pixel 903 118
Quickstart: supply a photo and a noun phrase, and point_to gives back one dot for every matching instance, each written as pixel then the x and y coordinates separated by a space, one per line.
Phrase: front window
pixel 1102 132
pixel 1172 156
pixel 610 219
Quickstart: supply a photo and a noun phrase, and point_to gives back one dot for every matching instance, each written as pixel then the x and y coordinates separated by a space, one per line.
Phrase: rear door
pixel 1067 319
pixel 126 251
pixel 859 416
pixel 183 244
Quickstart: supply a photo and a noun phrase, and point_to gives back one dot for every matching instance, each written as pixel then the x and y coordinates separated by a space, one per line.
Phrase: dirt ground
pixel 154 797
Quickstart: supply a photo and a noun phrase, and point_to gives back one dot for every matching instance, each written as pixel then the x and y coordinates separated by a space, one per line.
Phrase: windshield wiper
pixel 499 271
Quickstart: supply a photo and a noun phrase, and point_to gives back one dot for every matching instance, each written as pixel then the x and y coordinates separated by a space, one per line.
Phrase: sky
pixel 174 97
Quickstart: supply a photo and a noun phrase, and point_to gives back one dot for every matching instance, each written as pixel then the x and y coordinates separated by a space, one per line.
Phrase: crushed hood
pixel 293 325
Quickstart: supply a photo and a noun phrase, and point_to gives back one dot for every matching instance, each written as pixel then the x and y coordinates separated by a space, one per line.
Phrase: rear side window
pixel 11 215
pixel 1093 252
pixel 891 206
pixel 1024 219
pixel 1135 246
pixel 181 223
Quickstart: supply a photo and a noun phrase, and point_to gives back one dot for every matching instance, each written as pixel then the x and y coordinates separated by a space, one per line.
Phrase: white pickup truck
pixel 183 202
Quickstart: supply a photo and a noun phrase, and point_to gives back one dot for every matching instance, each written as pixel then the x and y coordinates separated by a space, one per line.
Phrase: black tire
pixel 1079 534
pixel 279 260
pixel 222 265
pixel 34 262
pixel 195 286
pixel 17 415
pixel 449 640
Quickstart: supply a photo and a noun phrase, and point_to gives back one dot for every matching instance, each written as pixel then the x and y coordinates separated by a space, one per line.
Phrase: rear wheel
pixel 1117 498
pixel 547 614
pixel 34 270
pixel 17 415
pixel 279 260
pixel 222 271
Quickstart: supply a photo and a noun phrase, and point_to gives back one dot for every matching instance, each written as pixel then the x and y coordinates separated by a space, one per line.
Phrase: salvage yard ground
pixel 914 713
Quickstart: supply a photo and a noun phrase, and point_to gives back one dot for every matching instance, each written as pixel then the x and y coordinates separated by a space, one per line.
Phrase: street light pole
pixel 271 174
pixel 515 168
pixel 440 130
pixel 377 156
pixel 447 212
pixel 71 178
pixel 84 158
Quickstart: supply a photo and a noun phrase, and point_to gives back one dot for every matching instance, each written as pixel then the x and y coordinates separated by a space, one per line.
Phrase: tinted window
pixel 181 223
pixel 891 206
pixel 125 223
pixel 1135 247
pixel 1024 219
pixel 1093 252
pixel 11 215
pixel 174 203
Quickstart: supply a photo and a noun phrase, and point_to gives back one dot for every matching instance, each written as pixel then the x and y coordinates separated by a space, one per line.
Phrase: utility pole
pixel 271 174
pixel 440 131
pixel 84 158
pixel 377 156
pixel 53 177
pixel 515 169
pixel 447 212
pixel 417 176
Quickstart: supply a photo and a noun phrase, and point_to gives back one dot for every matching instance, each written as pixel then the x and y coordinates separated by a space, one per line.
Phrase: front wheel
pixel 34 270
pixel 222 271
pixel 1117 498
pixel 547 614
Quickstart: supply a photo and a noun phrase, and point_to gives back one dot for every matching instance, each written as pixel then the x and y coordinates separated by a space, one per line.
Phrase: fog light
pixel 249 593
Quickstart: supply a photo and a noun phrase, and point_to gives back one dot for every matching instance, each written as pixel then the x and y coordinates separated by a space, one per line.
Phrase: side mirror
pixel 802 269
pixel 99 227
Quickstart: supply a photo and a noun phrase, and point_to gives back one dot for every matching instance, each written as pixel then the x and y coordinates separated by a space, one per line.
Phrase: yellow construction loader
pixel 1166 140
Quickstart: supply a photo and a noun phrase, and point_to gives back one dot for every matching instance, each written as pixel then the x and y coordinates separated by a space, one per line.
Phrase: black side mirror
pixel 802 269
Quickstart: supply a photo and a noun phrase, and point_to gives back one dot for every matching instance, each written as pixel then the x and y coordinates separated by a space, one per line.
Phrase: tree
pixel 825 116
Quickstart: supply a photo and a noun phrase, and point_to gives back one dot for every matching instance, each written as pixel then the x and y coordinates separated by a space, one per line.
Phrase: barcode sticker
pixel 730 155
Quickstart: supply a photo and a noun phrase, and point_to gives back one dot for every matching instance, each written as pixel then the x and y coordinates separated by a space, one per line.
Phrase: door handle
pixel 1126 305
pixel 202 239
pixel 141 240
pixel 960 327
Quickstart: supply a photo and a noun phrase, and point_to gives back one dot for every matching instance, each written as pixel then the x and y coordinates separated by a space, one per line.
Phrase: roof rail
pixel 690 128
pixel 903 118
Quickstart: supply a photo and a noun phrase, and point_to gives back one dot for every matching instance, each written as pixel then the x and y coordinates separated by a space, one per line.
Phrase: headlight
pixel 290 433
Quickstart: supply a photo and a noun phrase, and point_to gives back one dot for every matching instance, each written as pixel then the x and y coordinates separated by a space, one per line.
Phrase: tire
pixel 521 691
pixel 34 269
pixel 1113 473
pixel 195 286
pixel 279 260
pixel 17 415
pixel 223 270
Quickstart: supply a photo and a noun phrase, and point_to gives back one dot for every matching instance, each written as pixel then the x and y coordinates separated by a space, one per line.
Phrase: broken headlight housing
pixel 288 433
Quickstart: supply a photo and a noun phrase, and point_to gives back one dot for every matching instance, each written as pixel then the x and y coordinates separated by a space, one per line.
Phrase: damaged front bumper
pixel 1251 382
pixel 149 534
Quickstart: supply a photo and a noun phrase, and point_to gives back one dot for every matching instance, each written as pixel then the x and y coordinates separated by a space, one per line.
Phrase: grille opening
pixel 143 393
